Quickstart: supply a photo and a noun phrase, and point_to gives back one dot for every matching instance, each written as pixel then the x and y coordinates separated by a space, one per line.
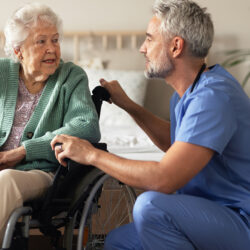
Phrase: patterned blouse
pixel 26 103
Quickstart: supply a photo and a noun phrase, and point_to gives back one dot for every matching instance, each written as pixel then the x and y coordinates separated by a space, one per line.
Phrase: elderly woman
pixel 40 97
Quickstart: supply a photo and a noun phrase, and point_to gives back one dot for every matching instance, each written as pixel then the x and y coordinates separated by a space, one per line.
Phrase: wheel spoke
pixel 114 208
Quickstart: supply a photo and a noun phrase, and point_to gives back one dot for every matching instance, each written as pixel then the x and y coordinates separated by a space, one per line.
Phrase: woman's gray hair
pixel 18 26
pixel 186 19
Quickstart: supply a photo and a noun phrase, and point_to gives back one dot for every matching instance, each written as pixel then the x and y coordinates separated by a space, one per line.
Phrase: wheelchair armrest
pixel 72 164
pixel 100 145
pixel 63 171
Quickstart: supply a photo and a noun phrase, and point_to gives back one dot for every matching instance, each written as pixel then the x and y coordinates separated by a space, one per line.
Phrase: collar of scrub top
pixel 197 78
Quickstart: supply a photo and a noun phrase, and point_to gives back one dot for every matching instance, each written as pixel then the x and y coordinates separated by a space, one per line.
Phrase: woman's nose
pixel 50 47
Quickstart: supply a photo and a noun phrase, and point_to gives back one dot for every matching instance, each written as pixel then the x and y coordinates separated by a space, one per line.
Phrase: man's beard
pixel 160 68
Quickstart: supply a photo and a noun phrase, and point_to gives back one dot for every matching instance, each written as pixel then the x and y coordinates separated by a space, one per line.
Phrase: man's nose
pixel 143 49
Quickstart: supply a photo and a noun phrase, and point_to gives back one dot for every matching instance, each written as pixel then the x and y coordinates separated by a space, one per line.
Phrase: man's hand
pixel 9 159
pixel 118 95
pixel 156 128
pixel 73 148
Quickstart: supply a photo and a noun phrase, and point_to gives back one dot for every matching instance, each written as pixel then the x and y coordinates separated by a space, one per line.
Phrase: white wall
pixel 92 14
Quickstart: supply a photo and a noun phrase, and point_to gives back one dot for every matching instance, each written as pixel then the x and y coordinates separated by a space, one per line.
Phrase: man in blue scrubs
pixel 198 195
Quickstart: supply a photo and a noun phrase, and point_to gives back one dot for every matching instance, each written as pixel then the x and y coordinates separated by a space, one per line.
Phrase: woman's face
pixel 40 53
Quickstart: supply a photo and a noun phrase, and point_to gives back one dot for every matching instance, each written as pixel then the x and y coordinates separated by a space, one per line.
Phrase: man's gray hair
pixel 186 19
pixel 18 26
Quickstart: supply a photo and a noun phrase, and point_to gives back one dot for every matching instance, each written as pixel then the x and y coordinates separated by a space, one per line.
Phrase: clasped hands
pixel 10 158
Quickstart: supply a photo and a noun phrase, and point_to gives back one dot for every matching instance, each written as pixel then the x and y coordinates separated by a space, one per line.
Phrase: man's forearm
pixel 156 128
pixel 140 174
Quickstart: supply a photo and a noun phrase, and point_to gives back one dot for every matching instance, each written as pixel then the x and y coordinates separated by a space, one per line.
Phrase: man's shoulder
pixel 218 82
pixel 219 77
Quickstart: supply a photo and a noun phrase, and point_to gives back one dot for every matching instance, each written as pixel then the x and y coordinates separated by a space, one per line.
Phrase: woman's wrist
pixel 21 152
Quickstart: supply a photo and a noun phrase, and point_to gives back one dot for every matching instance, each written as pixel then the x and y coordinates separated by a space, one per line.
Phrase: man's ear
pixel 177 46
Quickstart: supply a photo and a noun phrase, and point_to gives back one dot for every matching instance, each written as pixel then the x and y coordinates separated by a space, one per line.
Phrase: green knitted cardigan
pixel 65 107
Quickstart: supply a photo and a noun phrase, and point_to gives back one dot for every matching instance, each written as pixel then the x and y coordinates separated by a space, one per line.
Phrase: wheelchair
pixel 75 218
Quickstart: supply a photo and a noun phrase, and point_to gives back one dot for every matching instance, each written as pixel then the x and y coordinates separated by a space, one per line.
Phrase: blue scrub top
pixel 216 115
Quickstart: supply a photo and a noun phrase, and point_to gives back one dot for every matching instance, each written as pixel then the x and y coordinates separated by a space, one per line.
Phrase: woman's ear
pixel 18 53
pixel 177 46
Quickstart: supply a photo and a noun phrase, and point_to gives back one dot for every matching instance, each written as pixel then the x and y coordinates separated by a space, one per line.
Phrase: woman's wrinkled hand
pixel 74 148
pixel 10 158
pixel 118 95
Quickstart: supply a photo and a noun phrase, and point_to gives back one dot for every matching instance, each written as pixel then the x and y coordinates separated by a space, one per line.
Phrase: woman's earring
pixel 18 53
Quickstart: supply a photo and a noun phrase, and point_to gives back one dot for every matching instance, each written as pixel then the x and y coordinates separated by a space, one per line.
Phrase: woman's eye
pixel 41 41
pixel 55 40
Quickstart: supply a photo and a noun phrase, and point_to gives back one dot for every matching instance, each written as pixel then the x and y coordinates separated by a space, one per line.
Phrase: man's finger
pixel 102 81
pixel 61 158
pixel 58 139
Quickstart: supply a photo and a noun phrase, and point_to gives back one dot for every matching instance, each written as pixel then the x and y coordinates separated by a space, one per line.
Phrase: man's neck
pixel 184 75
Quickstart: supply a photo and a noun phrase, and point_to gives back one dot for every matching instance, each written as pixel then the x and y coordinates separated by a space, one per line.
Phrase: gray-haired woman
pixel 40 97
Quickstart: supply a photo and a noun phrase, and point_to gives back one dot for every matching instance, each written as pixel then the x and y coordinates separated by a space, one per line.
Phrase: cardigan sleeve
pixel 77 115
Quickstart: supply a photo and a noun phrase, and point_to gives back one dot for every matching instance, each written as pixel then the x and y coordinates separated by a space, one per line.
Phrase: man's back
pixel 217 115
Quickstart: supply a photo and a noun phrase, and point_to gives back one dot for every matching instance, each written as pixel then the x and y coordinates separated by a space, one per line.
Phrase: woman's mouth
pixel 49 61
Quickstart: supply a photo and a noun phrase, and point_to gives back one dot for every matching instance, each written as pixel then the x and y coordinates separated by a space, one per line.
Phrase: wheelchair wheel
pixel 113 209
pixel 109 205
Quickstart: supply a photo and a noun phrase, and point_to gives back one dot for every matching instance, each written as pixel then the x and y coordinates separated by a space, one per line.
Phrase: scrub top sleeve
pixel 208 120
